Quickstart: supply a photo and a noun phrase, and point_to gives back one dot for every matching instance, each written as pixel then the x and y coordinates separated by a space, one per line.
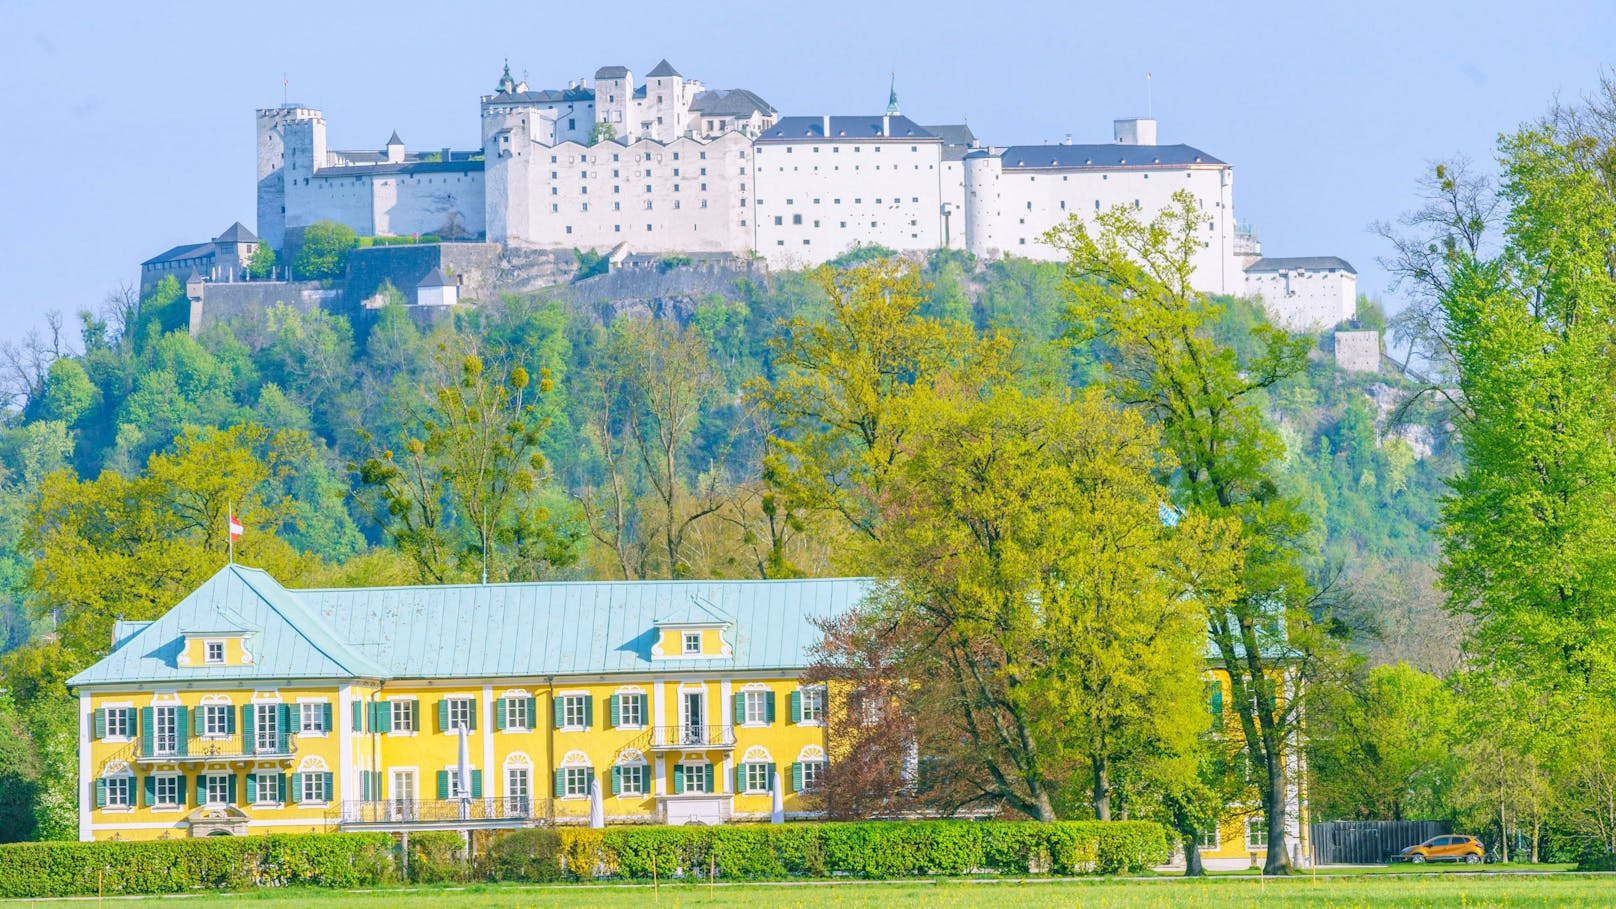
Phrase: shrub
pixel 532 855
pixel 324 251
pixel 32 870
pixel 437 856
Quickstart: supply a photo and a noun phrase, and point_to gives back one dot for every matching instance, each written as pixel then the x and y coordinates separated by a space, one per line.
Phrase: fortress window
pixel 805 242
pixel 617 206
pixel 554 191
pixel 647 228
pixel 614 157
pixel 675 157
pixel 796 219
pixel 675 187
pixel 816 222
pixel 583 190
pixel 704 203
pixel 703 172
pixel 779 220
pixel 617 228
pixel 844 225
pixel 584 207
pixel 569 228
pixel 583 175
pixel 816 201
pixel 647 187
pixel 836 201
pixel 703 157
pixel 617 189
pixel 552 161
pixel 779 243
pixel 858 201
pixel 554 207
pixel 704 187
pixel 676 171
pixel 675 203
pixel 572 123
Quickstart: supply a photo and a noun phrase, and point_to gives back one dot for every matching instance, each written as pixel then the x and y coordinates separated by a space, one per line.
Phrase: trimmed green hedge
pixel 175 866
pixel 878 849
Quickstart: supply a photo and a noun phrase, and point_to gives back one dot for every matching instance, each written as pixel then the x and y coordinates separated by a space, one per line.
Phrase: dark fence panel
pixel 1369 842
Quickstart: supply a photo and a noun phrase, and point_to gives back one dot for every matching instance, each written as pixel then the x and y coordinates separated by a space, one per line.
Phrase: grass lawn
pixel 1407 891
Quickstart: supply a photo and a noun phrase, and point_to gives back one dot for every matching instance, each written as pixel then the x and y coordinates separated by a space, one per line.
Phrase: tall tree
pixel 1130 288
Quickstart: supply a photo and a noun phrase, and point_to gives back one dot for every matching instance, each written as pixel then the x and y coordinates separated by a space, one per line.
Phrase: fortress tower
pixel 307 127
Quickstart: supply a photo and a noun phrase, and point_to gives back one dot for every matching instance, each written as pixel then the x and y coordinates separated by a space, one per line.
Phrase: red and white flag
pixel 235 528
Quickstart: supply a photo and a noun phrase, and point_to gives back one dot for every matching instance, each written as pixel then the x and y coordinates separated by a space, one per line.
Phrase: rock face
pixel 664 287
pixel 484 271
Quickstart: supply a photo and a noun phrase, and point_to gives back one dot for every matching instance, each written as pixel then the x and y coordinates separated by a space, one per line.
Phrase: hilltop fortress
pixel 664 165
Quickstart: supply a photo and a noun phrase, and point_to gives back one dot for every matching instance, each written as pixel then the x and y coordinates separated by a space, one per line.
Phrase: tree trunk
pixel 1192 856
pixel 1278 859
pixel 1102 787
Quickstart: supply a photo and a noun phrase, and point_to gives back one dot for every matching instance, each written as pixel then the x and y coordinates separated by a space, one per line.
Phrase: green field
pixel 1414 891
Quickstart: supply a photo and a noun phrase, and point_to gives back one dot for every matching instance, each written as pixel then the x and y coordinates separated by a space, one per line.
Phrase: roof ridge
pixel 313 619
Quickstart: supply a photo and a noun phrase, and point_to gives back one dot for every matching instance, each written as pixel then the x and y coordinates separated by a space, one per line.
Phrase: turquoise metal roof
pixel 479 631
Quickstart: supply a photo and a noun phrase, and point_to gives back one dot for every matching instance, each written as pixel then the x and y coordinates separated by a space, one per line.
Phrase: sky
pixel 129 128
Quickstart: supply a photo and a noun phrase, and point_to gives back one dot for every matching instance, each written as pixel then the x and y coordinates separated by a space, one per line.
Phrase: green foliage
pixel 411 240
pixel 163 308
pixel 436 857
pixel 261 264
pixel 602 132
pixel 338 860
pixel 324 251
pixel 862 254
pixel 669 263
pixel 590 263
pixel 873 849
pixel 525 855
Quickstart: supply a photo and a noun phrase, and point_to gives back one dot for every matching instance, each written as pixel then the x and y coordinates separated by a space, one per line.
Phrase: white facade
pixel 827 184
pixel 1306 293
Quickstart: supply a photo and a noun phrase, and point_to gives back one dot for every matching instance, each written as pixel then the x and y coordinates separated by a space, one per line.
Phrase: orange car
pixel 1453 848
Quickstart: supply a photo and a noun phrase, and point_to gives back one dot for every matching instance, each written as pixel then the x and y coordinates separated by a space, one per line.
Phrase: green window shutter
pixel 532 713
pixel 252 788
pixel 384 716
pixel 768 707
pixel 796 706
pixel 471 716
pixel 500 718
pixel 796 776
pixel 617 780
pixel 1215 689
pixel 476 784
pixel 769 780
pixel 100 721
pixel 230 789
pixel 100 793
pixel 151 790
pixel 330 786
pixel 614 713
pixel 247 724
pixel 589 711
pixel 146 725
pixel 443 715
pixel 294 788
pixel 325 717
pixel 283 722
pixel 740 778
pixel 443 784
pixel 286 786
pixel 712 778
pixel 201 788
pixel 364 787
pixel 739 716
pixel 560 782
pixel 678 778
pixel 197 725
pixel 358 716
pixel 229 721
pixel 555 712
pixel 182 723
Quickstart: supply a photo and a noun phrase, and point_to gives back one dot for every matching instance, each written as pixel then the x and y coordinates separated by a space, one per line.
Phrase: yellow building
pixel 253 708
pixel 1241 837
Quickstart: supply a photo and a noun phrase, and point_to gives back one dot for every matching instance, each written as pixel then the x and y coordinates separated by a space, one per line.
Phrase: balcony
pixel 197 748
pixel 691 738
pixel 397 813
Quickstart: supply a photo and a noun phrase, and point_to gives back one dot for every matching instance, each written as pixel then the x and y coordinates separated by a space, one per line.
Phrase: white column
pixel 86 784
pixel 488 742
pixel 343 718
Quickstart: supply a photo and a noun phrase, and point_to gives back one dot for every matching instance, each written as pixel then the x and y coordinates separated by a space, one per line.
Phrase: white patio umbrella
pixel 777 815
pixel 463 776
pixel 597 806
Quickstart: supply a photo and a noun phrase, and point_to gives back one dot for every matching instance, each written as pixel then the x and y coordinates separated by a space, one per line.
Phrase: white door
pixel 692 710
pixel 267 729
pixel 401 796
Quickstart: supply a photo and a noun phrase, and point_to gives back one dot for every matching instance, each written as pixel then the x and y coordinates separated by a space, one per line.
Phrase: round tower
pixel 273 124
pixel 982 171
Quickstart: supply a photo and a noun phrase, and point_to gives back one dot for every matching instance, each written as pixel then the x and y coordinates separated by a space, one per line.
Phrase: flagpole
pixel 230 518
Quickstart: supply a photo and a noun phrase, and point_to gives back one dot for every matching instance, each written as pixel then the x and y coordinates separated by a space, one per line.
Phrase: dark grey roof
pixel 958 140
pixel 545 96
pixel 663 69
pixel 181 253
pixel 729 102
pixel 797 129
pixel 237 233
pixel 456 166
pixel 394 139
pixel 435 278
pixel 1309 263
pixel 611 72
pixel 1103 156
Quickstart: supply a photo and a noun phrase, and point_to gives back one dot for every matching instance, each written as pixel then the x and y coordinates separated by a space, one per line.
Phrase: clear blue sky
pixel 128 127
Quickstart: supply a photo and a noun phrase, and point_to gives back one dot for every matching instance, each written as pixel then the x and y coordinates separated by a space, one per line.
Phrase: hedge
pixel 176 866
pixel 877 849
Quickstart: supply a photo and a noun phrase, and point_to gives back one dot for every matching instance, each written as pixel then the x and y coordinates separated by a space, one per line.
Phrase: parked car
pixel 1450 848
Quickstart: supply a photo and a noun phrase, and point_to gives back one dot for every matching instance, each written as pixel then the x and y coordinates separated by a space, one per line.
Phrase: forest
pixel 1081 480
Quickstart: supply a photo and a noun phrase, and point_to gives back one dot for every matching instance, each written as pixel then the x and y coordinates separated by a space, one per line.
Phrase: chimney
pixel 886 124
pixel 1068 140
pixel 826 126
pixel 446 154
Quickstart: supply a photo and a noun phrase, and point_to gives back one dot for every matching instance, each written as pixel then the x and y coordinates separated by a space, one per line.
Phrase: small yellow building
pixel 253 708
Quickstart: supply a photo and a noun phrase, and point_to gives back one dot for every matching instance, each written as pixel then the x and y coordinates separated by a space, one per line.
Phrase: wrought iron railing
pixel 435 811
pixel 690 736
pixel 177 749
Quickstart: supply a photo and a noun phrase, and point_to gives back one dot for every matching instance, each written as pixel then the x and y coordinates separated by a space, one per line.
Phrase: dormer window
pixel 692 643
pixel 213 653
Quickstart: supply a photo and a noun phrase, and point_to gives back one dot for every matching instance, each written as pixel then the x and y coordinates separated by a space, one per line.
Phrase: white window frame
pixel 688 638
pixel 575 782
pixel 207 653
pixel 754 702
pixel 519 786
pixel 638 700
pixel 311 710
pixel 1256 827
pixel 215 719
pixel 124 722
pixel 761 771
pixel 404 715
pixel 516 718
pixel 174 799
pixel 170 712
pixel 812 771
pixel 573 709
pixel 266 780
pixel 462 706
pixel 692 772
pixel 125 782
pixel 638 788
pixel 1211 840
pixel 311 786
pixel 812 702
pixel 222 781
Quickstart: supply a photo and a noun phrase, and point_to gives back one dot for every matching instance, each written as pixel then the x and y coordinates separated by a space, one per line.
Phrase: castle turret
pixel 395 149
pixel 273 124
pixel 983 169
pixel 1135 131
pixel 614 101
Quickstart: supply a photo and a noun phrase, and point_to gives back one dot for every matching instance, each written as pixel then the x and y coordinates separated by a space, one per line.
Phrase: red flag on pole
pixel 235 528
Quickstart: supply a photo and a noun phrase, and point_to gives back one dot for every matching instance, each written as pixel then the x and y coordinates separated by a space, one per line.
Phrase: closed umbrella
pixel 597 806
pixel 778 814
pixel 463 776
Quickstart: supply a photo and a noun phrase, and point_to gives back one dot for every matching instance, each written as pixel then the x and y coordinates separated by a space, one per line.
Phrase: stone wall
pixel 484 270
pixel 661 291
pixel 251 299
pixel 1358 351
